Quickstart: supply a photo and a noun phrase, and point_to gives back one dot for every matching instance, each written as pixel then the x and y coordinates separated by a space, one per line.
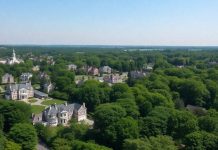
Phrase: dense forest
pixel 173 107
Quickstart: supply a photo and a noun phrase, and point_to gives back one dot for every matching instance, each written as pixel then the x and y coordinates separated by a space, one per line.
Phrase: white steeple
pixel 14 60
pixel 14 56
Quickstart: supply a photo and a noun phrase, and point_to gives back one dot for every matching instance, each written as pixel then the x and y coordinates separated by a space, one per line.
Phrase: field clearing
pixel 36 109
pixel 53 101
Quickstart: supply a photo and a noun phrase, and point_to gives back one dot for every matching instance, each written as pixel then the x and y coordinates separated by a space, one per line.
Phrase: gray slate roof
pixel 54 109
pixel 40 93
pixel 20 86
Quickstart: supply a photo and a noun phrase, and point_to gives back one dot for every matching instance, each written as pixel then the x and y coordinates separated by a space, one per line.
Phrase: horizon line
pixel 109 45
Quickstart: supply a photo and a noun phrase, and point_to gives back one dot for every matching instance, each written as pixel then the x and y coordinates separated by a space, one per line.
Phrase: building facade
pixel 93 71
pixel 137 74
pixel 105 69
pixel 19 91
pixel 7 79
pixel 61 114
pixel 72 67
pixel 25 77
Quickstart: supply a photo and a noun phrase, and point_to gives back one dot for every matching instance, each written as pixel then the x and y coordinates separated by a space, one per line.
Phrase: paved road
pixel 41 146
pixel 38 102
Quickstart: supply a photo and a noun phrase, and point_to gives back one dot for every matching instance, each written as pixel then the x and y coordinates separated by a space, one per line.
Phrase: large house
pixel 7 78
pixel 105 69
pixel 19 91
pixel 61 114
pixel 137 74
pixel 25 77
pixel 93 71
pixel 113 78
pixel 36 68
pixel 72 67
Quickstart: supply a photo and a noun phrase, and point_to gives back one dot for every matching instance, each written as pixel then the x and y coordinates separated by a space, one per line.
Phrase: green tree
pixel 25 135
pixel 194 92
pixel 9 145
pixel 61 144
pixel 162 142
pixel 200 141
pixel 14 112
pixel 119 90
pixel 152 126
pixel 182 123
pixel 137 144
pixel 159 142
pixel 126 128
pixel 90 94
pixel 208 123
pixel 107 114
pixel 79 145
pixel 130 106
pixel 75 131
pixel 2 140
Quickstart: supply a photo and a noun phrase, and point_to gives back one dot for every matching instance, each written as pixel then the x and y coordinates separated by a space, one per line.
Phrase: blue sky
pixel 109 22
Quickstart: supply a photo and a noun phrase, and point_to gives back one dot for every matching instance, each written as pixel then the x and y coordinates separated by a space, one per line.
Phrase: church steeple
pixel 13 59
pixel 14 55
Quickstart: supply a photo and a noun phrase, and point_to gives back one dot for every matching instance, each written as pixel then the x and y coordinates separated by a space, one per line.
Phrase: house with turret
pixel 61 114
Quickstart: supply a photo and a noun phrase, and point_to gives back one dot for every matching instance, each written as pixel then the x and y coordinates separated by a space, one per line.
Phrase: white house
pixel 72 67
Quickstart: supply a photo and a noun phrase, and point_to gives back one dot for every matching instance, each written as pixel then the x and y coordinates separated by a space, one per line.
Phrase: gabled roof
pixel 20 86
pixel 40 93
pixel 7 75
pixel 54 109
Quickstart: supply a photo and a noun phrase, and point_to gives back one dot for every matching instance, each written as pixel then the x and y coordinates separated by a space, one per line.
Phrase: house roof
pixel 20 86
pixel 54 109
pixel 40 93
pixel 7 75
pixel 27 74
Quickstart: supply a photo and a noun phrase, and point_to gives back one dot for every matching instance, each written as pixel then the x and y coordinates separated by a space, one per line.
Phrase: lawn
pixel 32 100
pixel 2 89
pixel 36 109
pixel 36 86
pixel 53 101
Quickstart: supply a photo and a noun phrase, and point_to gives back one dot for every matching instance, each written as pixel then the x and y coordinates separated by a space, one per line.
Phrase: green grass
pixel 36 109
pixel 2 89
pixel 53 101
pixel 36 86
pixel 32 100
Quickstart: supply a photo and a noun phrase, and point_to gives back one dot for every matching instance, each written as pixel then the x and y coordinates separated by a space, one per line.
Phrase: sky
pixel 109 22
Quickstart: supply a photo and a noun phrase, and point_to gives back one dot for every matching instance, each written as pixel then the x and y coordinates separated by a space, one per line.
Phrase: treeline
pixel 143 114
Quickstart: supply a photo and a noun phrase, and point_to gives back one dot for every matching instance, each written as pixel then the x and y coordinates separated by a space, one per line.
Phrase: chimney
pixel 65 103
pixel 84 105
